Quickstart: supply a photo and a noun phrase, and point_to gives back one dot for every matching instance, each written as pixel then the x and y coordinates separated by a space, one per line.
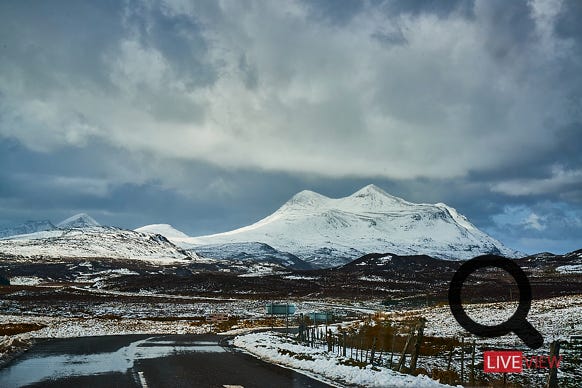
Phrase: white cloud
pixel 529 228
pixel 533 222
pixel 74 185
pixel 327 99
pixel 559 179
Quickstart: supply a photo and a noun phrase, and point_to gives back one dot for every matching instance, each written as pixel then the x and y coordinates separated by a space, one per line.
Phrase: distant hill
pixel 27 227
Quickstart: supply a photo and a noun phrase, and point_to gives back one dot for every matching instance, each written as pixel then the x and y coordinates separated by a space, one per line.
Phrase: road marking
pixel 232 386
pixel 142 380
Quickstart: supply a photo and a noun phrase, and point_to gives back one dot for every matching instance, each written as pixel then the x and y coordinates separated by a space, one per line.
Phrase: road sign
pixel 321 317
pixel 280 309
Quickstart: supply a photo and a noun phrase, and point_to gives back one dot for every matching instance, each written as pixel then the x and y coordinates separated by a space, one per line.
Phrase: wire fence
pixel 404 348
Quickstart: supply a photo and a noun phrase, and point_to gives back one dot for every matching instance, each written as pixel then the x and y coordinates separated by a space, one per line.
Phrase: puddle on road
pixel 40 368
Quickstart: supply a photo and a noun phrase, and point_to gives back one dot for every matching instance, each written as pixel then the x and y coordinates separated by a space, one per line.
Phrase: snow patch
pixel 372 278
pixel 300 277
pixel 576 268
pixel 165 230
pixel 25 281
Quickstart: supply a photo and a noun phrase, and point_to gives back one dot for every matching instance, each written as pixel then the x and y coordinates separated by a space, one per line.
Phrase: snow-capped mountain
pixel 94 242
pixel 27 227
pixel 80 220
pixel 329 232
pixel 165 230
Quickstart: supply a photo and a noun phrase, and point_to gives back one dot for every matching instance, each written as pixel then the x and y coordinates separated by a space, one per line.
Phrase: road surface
pixel 145 361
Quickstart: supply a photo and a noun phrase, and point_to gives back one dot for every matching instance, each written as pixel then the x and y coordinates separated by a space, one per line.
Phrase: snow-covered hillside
pixel 251 251
pixel 94 242
pixel 330 232
pixel 27 227
pixel 165 230
pixel 243 252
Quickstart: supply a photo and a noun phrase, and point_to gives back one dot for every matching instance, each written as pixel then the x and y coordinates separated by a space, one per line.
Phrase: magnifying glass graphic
pixel 517 323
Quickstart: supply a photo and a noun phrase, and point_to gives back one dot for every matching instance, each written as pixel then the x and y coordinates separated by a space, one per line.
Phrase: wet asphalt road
pixel 145 361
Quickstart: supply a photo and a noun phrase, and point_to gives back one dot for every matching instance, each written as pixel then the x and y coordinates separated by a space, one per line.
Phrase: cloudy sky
pixel 210 114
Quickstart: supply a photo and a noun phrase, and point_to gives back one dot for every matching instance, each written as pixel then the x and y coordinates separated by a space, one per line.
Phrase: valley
pixel 83 279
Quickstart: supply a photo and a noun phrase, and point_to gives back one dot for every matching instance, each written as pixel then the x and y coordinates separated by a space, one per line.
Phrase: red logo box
pixel 502 362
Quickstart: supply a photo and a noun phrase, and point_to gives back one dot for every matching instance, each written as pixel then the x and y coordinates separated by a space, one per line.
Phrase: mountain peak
pixel 371 197
pixel 165 230
pixel 306 198
pixel 371 188
pixel 373 191
pixel 81 220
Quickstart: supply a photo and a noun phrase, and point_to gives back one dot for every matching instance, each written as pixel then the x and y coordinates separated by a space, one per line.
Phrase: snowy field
pixel 81 327
pixel 555 318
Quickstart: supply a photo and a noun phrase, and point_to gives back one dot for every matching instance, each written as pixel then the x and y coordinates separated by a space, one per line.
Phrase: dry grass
pixel 390 334
pixel 445 376
pixel 238 323
pixel 195 319
pixel 226 325
pixel 352 362
pixel 296 355
pixel 18 328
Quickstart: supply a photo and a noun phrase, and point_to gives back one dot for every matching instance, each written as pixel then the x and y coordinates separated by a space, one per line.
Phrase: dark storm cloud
pixel 30 31
pixel 109 185
pixel 395 37
pixel 210 115
pixel 177 37
pixel 334 12
pixel 568 23
pixel 509 28
pixel 436 7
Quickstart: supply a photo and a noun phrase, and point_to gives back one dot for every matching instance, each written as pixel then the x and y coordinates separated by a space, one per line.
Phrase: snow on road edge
pixel 268 346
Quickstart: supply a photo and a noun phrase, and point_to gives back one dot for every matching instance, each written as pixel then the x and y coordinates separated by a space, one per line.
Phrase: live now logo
pixel 514 362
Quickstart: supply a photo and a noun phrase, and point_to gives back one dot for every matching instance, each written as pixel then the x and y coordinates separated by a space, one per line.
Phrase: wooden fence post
pixel 313 337
pixel 328 337
pixel 450 358
pixel 403 356
pixel 380 356
pixel 417 344
pixel 553 377
pixel 472 381
pixel 462 360
pixel 373 352
pixel 392 352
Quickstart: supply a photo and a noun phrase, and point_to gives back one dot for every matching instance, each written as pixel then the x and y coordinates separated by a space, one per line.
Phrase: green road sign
pixel 280 309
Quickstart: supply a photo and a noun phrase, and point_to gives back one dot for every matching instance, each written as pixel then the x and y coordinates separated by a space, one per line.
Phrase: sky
pixel 209 115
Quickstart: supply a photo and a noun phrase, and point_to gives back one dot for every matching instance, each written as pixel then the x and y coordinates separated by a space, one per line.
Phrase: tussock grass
pixel 18 328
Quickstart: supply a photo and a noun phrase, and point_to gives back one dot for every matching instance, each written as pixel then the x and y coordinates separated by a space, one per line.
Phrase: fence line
pixel 382 350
